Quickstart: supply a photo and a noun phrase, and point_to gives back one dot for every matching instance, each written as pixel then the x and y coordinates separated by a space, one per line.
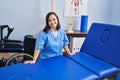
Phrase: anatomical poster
pixel 75 8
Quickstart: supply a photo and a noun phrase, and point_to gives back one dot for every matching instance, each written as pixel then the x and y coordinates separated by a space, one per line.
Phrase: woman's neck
pixel 53 30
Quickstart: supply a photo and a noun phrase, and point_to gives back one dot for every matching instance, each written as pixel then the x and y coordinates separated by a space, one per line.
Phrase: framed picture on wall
pixel 75 8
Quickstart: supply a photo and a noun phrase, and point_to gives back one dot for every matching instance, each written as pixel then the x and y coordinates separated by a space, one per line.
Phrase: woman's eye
pixel 49 21
pixel 54 19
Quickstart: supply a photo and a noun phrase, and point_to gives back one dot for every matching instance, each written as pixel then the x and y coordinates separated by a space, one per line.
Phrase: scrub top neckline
pixel 54 34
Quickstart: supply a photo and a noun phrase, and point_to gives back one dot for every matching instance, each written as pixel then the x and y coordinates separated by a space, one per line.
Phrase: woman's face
pixel 52 21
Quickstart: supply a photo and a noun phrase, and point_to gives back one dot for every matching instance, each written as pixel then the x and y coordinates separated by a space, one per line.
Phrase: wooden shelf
pixel 75 32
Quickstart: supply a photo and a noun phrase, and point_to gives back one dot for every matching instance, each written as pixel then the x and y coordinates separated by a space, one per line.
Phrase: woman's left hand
pixel 72 53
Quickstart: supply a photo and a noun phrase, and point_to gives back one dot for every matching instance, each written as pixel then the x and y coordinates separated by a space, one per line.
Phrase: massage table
pixel 98 58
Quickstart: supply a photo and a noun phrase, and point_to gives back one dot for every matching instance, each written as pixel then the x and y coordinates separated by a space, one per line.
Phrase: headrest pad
pixel 103 42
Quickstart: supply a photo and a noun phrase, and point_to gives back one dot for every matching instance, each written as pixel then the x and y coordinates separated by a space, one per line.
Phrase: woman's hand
pixel 36 54
pixel 71 53
pixel 68 51
pixel 30 62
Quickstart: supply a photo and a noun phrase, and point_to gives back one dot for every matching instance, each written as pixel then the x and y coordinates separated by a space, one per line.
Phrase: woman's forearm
pixel 67 49
pixel 36 54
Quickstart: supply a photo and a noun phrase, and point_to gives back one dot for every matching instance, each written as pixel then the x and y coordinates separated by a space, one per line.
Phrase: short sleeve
pixel 41 41
pixel 66 41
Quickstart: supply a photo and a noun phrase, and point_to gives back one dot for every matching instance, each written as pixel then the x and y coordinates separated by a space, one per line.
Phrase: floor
pixel 6 55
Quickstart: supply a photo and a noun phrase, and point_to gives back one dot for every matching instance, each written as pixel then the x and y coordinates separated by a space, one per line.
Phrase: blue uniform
pixel 51 45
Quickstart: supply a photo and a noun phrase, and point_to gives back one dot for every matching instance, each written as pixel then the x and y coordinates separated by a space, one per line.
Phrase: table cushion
pixel 99 67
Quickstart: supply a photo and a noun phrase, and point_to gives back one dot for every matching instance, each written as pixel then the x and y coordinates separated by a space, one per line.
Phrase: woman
pixel 51 40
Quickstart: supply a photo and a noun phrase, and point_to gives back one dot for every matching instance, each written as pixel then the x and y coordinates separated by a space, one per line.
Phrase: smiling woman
pixel 51 40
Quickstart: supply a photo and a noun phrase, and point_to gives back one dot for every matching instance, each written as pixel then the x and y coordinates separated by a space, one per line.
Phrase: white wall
pixel 28 16
pixel 99 11
pixel 115 13
pixel 22 15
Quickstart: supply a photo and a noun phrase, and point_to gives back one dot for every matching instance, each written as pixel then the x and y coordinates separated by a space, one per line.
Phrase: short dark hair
pixel 47 27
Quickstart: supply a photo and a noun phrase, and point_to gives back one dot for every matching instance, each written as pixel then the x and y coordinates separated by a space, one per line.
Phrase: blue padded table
pixel 98 58
pixel 57 68
pixel 99 67
pixel 15 72
pixel 103 42
pixel 100 52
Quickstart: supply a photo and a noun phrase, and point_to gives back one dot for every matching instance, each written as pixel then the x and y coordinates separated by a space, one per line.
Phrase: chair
pixel 27 54
pixel 7 45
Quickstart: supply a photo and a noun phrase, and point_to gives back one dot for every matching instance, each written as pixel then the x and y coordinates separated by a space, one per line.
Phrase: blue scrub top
pixel 51 45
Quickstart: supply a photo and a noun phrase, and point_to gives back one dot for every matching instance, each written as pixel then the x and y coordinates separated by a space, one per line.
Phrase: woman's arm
pixel 68 50
pixel 36 54
pixel 35 57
